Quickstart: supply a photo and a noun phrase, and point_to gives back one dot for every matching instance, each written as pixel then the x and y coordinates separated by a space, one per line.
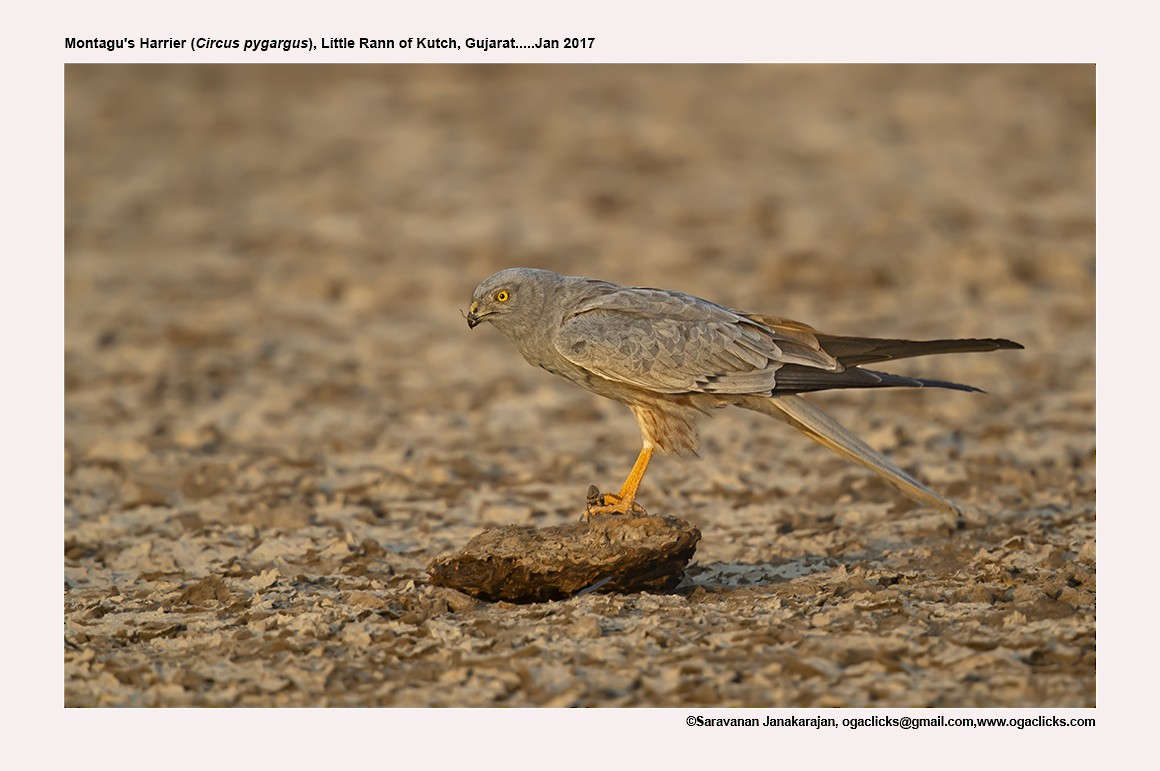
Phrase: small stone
pixel 587 628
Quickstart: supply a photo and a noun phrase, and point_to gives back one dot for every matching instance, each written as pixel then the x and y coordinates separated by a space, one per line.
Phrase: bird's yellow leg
pixel 623 502
pixel 628 489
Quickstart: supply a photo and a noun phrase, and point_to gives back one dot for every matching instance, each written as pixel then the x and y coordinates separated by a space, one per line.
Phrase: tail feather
pixel 827 432
pixel 795 378
pixel 852 351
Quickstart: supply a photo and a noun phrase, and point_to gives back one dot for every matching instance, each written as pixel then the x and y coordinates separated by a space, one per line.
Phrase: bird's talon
pixel 618 505
pixel 607 504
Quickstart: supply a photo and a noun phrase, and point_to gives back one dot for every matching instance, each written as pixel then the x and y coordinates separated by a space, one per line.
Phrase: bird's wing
pixel 670 342
pixel 854 351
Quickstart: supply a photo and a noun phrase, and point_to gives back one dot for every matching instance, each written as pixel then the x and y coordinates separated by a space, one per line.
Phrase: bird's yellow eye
pixel 502 296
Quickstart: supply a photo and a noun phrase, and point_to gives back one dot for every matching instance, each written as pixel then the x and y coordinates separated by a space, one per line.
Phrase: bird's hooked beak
pixel 473 317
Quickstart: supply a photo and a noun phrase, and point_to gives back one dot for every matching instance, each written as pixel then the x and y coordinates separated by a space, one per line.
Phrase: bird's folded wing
pixel 854 351
pixel 673 343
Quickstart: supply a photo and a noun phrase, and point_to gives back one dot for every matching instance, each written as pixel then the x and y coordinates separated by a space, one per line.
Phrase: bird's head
pixel 511 297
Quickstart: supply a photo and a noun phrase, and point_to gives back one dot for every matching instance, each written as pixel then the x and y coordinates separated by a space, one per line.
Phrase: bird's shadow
pixel 738 575
pixel 728 576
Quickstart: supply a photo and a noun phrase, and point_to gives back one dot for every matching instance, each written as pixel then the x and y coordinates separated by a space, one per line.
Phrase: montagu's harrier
pixel 672 358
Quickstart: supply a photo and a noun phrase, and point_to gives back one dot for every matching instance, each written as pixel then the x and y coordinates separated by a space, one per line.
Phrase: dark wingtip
pixel 889 379
pixel 928 383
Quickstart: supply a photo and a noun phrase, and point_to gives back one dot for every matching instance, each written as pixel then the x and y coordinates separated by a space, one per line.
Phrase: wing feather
pixel 675 343
pixel 669 342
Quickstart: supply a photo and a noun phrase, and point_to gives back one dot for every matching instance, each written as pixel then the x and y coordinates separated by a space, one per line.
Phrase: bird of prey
pixel 673 358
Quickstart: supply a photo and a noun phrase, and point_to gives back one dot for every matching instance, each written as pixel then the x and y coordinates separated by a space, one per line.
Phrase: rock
pixel 607 554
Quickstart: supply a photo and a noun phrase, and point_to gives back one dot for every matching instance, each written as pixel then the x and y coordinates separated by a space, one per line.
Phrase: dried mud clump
pixel 608 554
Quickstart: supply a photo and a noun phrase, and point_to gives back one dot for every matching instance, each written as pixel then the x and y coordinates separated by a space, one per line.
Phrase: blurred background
pixel 266 268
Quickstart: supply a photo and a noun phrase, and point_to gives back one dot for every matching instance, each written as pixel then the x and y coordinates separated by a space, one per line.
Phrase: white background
pixel 1118 36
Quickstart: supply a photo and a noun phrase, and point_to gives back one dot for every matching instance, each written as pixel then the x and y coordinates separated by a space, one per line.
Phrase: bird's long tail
pixel 826 431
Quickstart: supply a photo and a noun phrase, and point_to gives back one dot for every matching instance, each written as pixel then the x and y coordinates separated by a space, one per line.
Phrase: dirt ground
pixel 276 415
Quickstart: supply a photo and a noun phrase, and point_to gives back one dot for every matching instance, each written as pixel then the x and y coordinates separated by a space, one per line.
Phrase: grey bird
pixel 672 358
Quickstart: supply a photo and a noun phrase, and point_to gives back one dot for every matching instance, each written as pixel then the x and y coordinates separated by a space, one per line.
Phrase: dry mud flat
pixel 276 416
